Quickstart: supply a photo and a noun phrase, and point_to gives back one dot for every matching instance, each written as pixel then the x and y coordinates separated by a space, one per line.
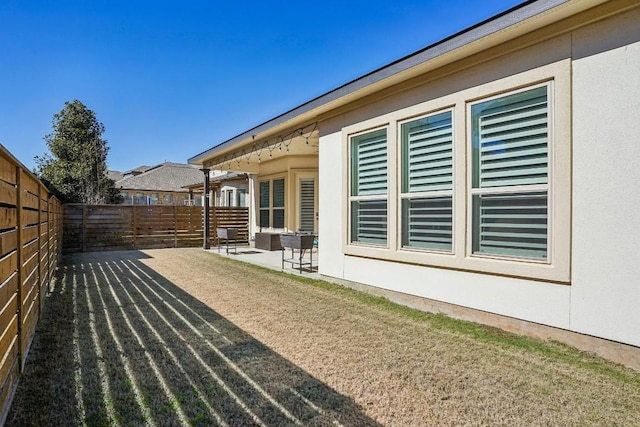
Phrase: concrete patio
pixel 271 259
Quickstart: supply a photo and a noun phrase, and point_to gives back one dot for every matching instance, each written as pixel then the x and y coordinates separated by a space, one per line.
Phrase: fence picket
pixel 29 215
pixel 118 227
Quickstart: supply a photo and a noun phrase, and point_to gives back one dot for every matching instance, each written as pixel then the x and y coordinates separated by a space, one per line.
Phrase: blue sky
pixel 170 79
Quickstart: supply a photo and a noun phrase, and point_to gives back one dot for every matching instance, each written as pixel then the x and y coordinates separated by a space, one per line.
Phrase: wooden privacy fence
pixel 118 227
pixel 30 222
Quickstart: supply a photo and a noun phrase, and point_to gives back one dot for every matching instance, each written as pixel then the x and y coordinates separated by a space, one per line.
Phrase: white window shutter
pixel 370 153
pixel 307 204
pixel 369 221
pixel 513 138
pixel 510 143
pixel 429 151
pixel 369 181
pixel 428 223
pixel 427 167
pixel 512 224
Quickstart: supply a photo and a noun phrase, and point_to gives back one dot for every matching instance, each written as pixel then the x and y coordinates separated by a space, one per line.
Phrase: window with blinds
pixel 510 139
pixel 369 188
pixel 307 204
pixel 278 193
pixel 427 182
pixel 369 164
pixel 278 203
pixel 272 201
pixel 265 197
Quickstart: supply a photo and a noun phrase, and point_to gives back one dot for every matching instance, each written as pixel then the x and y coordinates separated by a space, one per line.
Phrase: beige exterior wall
pixel 596 98
pixel 606 197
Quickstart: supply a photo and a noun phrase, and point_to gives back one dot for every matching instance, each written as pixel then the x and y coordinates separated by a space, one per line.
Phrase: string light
pixel 256 149
pixel 315 126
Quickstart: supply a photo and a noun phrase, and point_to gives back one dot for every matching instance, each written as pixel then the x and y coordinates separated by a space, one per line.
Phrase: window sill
pixel 519 268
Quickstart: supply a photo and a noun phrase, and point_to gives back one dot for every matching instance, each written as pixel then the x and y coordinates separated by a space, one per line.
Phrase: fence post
pixel 84 228
pixel 175 226
pixel 134 224
pixel 214 217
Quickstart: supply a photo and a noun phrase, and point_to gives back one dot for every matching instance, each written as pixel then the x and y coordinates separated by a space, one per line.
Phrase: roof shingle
pixel 163 177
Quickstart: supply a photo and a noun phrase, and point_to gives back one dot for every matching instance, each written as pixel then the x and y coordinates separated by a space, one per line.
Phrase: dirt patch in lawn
pixel 182 336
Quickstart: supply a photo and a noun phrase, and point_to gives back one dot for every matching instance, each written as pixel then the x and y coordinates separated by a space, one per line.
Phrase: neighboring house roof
pixel 115 175
pixel 164 177
pixel 137 171
pixel 505 26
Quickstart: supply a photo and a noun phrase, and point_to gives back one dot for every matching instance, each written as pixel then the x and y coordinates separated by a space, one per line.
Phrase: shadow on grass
pixel 119 344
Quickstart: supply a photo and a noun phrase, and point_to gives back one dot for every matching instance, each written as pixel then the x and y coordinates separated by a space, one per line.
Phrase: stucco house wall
pixel 605 293
pixel 596 69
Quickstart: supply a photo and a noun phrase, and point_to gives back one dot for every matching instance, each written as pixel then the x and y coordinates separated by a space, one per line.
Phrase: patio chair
pixel 228 234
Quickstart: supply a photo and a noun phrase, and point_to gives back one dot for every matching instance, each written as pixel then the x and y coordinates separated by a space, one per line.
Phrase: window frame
pixel 264 208
pixel 370 197
pixel 282 208
pixel 425 195
pixel 271 208
pixel 557 267
pixel 510 190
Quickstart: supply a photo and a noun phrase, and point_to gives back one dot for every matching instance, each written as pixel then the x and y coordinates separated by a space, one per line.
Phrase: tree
pixel 76 167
